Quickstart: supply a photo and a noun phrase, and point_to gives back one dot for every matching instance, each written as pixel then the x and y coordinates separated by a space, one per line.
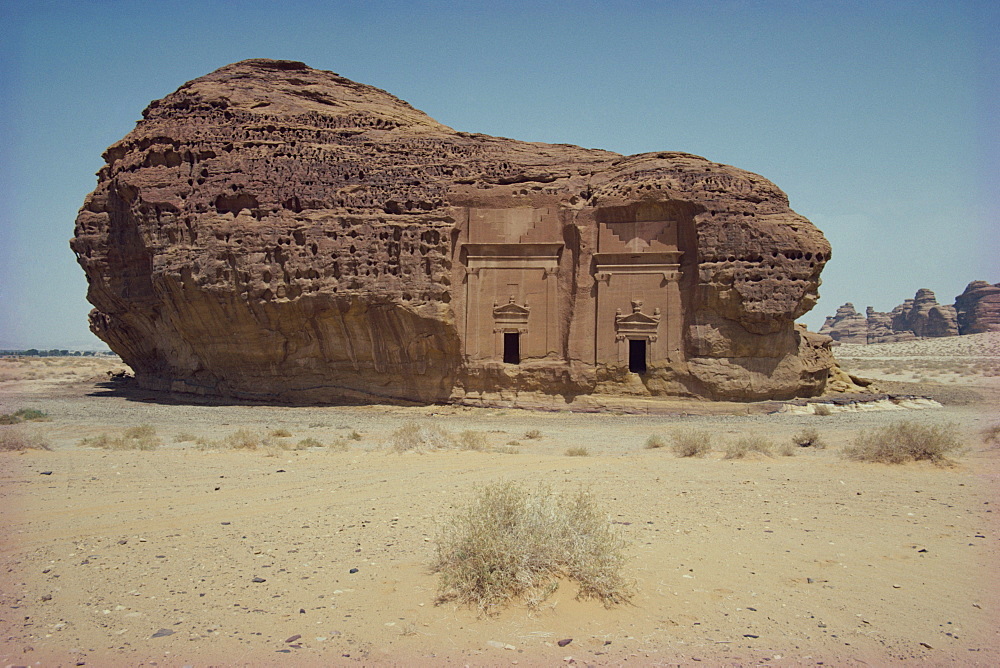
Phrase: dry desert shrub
pixel 691 443
pixel 242 439
pixel 532 434
pixel 473 440
pixel 354 436
pixel 514 543
pixel 338 445
pixel 24 415
pixel 808 438
pixel 655 441
pixel 280 433
pixel 822 409
pixel 905 441
pixel 746 445
pixel 142 437
pixel 577 451
pixel 13 439
pixel 420 437
pixel 786 450
pixel 185 437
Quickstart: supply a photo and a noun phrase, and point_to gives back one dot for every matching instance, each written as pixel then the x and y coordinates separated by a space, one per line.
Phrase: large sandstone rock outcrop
pixel 272 231
pixel 979 308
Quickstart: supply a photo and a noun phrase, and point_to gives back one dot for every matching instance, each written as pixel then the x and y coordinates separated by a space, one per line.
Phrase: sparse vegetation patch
pixel 655 441
pixel 748 444
pixel 24 415
pixel 420 437
pixel 513 543
pixel 905 441
pixel 808 438
pixel 142 437
pixel 242 439
pixel 691 443
pixel 577 451
pixel 14 439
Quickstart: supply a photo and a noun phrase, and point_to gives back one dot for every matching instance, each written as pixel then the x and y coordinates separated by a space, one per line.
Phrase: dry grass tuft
pixel 746 445
pixel 142 437
pixel 577 451
pixel 532 434
pixel 691 443
pixel 655 441
pixel 905 441
pixel 280 433
pixel 24 415
pixel 473 440
pixel 242 439
pixel 808 438
pixel 513 543
pixel 420 437
pixel 13 439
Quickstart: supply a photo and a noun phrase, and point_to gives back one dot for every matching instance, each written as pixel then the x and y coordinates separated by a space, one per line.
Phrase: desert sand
pixel 196 554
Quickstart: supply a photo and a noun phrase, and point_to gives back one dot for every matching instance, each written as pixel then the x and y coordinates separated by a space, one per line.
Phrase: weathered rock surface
pixel 846 326
pixel 927 318
pixel 978 308
pixel 271 231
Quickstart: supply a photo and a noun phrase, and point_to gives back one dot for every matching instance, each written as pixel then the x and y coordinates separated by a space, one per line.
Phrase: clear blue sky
pixel 878 118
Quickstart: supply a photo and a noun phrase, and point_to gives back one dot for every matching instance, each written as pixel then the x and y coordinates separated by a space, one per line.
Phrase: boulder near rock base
pixel 274 232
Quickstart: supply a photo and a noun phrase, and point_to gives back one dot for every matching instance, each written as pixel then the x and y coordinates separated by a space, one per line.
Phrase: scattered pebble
pixel 353 570
pixel 162 633
pixel 258 580
pixel 293 638
pixel 564 642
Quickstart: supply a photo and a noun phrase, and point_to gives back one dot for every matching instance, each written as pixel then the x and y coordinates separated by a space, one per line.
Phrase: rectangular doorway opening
pixel 511 348
pixel 637 355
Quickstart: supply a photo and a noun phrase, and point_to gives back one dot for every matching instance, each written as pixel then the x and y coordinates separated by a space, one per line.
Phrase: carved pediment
pixel 637 324
pixel 511 315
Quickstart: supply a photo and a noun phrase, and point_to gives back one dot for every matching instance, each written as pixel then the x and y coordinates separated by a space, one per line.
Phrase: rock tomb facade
pixel 274 232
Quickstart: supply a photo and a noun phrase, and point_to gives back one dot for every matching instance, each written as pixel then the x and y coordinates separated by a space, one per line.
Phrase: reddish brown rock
pixel 276 232
pixel 979 308
pixel 926 318
pixel 846 326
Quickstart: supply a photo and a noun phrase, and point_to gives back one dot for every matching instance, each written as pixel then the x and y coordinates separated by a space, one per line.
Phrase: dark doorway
pixel 637 355
pixel 511 348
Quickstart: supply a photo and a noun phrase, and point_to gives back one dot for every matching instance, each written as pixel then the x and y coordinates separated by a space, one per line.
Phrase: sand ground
pixel 135 558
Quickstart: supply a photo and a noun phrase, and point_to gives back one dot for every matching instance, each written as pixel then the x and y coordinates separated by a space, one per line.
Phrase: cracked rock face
pixel 276 232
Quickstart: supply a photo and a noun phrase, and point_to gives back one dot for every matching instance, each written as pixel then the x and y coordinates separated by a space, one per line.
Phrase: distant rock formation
pixel 846 326
pixel 976 310
pixel 275 232
pixel 979 308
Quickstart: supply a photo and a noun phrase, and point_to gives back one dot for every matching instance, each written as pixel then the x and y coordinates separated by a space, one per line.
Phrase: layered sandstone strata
pixel 271 231
pixel 846 325
pixel 975 311
pixel 979 308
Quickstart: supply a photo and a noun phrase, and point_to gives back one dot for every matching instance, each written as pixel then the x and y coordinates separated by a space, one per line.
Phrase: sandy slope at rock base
pixel 779 561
